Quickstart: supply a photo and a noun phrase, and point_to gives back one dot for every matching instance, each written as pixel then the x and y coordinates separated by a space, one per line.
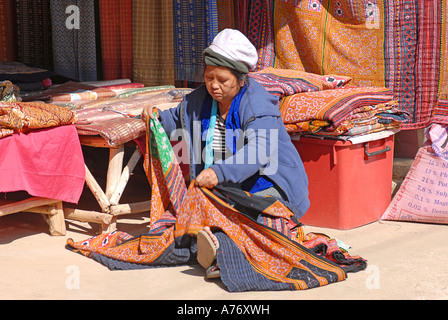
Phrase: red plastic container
pixel 349 184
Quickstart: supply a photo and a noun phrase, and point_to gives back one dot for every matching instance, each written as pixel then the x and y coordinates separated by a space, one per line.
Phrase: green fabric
pixel 217 60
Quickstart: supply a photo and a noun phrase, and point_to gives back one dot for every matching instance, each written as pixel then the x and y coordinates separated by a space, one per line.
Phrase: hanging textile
pixel 261 31
pixel 153 48
pixel 34 41
pixel 116 38
pixel 226 14
pixel 8 44
pixel 196 25
pixel 396 44
pixel 74 36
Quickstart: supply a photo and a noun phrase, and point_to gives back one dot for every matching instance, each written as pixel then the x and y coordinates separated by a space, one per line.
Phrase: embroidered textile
pixel 284 82
pixel 178 213
pixel 311 111
pixel 400 45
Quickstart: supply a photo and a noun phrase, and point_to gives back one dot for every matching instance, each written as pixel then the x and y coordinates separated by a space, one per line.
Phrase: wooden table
pixel 118 176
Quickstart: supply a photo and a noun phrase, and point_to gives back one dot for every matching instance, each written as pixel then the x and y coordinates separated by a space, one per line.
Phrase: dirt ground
pixel 406 261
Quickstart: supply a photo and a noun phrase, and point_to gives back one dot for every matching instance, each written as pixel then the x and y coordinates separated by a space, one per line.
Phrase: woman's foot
pixel 207 247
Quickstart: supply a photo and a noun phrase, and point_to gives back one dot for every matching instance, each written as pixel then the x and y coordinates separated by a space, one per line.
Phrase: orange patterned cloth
pixel 311 111
pixel 27 116
pixel 278 261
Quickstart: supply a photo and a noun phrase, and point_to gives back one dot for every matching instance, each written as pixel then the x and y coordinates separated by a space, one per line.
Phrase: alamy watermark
pixel 74 19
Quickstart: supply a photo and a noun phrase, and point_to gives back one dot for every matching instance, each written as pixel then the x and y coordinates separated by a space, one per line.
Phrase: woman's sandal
pixel 213 272
pixel 206 250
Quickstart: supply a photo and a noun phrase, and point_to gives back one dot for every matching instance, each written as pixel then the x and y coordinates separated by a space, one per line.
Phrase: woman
pixel 237 135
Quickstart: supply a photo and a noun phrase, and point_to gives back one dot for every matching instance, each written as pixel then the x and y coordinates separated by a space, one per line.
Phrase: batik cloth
pixel 29 116
pixel 251 256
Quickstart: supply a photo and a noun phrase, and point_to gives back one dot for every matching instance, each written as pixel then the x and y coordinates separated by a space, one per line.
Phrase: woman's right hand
pixel 148 111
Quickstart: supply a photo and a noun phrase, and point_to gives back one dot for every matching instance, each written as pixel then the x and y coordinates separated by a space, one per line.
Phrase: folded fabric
pixel 71 91
pixel 312 111
pixel 115 131
pixel 27 116
pixel 45 163
pixel 285 82
pixel 8 91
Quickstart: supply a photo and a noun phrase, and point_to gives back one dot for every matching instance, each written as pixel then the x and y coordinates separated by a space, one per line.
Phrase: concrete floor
pixel 406 261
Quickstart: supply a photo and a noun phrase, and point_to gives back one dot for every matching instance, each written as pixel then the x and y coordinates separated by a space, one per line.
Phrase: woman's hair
pixel 240 76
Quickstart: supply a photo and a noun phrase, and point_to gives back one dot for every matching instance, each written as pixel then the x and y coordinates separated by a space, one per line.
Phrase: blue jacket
pixel 267 147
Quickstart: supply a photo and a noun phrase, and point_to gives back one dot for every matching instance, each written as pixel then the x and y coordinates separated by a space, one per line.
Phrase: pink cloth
pixel 45 163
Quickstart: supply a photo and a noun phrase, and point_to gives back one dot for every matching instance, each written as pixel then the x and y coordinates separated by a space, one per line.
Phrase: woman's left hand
pixel 207 179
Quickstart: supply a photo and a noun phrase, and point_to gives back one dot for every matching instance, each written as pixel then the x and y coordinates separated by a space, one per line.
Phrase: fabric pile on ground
pixel 251 256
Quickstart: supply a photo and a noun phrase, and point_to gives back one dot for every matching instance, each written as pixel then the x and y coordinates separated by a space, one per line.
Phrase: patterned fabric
pixel 178 213
pixel 153 47
pixel 8 45
pixel 7 92
pixel 283 82
pixel 312 111
pixel 77 58
pixel 400 45
pixel 71 91
pixel 196 25
pixel 116 130
pixel 34 37
pixel 116 38
pixel 24 117
pixel 260 31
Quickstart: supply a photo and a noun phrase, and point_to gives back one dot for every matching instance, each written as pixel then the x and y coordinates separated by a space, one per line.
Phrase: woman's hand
pixel 207 179
pixel 148 111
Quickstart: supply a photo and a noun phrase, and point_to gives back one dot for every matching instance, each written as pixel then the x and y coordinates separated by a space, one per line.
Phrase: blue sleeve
pixel 262 141
pixel 170 119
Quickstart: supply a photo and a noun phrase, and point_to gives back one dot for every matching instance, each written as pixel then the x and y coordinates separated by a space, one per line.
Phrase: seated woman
pixel 237 135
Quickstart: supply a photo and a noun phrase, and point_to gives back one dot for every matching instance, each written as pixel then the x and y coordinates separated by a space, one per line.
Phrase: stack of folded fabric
pixel 342 113
pixel 116 119
pixel 324 106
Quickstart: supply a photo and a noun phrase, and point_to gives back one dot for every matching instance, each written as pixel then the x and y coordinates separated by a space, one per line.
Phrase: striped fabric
pixel 196 25
pixel 34 34
pixel 153 45
pixel 116 38
pixel 8 38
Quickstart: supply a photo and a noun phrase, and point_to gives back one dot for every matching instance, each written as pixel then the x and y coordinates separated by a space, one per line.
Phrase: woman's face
pixel 221 83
